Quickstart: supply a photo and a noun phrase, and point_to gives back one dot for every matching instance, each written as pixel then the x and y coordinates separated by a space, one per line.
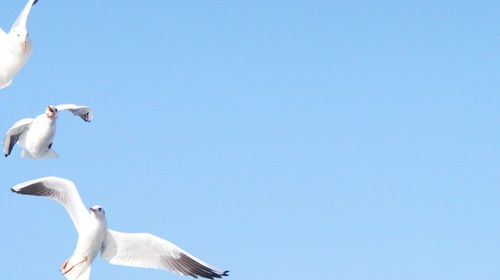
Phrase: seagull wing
pixel 83 112
pixel 58 189
pixel 23 16
pixel 149 251
pixel 13 135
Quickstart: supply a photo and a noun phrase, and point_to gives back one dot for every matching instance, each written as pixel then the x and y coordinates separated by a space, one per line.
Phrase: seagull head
pixel 97 210
pixel 51 112
pixel 22 35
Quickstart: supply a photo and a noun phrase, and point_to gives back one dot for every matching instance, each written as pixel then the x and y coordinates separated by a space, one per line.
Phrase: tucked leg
pixel 64 264
pixel 69 269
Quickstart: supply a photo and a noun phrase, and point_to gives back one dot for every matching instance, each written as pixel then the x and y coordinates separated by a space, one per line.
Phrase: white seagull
pixel 15 47
pixel 128 249
pixel 35 136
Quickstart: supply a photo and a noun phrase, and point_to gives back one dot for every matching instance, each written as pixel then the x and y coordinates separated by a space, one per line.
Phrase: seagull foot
pixel 69 269
pixel 64 265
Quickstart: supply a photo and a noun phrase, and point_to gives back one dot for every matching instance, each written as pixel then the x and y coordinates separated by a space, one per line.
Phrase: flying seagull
pixel 15 47
pixel 35 136
pixel 128 249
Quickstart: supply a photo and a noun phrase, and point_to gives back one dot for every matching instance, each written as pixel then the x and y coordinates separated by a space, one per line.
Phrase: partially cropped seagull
pixel 128 249
pixel 35 136
pixel 15 47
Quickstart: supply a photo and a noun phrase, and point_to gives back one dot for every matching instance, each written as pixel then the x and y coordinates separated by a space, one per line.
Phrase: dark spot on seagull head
pixel 98 210
pixel 21 33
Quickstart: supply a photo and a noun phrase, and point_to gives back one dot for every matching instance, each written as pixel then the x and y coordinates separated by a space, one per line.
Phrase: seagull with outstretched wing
pixel 15 47
pixel 128 249
pixel 35 136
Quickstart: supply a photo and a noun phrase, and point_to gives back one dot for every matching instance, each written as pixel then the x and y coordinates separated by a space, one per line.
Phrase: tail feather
pixel 26 154
pixel 50 154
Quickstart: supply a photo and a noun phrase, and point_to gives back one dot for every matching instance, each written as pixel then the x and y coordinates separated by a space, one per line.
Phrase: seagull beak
pixel 51 112
pixel 24 46
pixel 92 209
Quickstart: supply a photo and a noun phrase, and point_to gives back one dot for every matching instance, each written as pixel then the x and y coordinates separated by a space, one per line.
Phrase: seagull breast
pixel 40 135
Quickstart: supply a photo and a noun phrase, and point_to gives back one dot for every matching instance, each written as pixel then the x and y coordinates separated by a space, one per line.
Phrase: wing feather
pixel 59 189
pixel 23 16
pixel 13 135
pixel 149 251
pixel 83 112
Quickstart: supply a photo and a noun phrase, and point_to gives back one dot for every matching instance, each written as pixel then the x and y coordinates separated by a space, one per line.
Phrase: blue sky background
pixel 275 139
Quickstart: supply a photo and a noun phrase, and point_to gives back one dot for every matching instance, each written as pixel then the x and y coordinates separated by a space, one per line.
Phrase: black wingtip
pixel 86 117
pixel 6 155
pixel 225 273
pixel 13 190
pixel 36 1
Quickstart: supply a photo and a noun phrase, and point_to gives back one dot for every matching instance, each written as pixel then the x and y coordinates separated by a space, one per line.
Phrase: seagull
pixel 15 47
pixel 35 136
pixel 128 249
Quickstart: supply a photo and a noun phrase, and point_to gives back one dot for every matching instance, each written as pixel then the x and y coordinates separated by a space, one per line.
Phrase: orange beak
pixel 24 46
pixel 51 112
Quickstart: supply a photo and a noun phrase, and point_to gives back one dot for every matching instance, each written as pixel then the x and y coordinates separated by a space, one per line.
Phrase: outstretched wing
pixel 149 251
pixel 83 112
pixel 23 16
pixel 58 189
pixel 14 133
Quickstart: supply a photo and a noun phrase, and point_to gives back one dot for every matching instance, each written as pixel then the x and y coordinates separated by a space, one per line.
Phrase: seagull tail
pixel 26 154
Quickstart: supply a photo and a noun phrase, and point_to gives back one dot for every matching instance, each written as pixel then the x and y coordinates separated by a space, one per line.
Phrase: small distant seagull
pixel 128 249
pixel 35 136
pixel 15 47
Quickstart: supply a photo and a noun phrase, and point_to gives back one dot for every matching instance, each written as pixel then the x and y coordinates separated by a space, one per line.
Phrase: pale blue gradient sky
pixel 276 139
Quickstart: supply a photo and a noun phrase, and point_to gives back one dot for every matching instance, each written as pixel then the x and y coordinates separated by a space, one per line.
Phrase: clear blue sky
pixel 276 139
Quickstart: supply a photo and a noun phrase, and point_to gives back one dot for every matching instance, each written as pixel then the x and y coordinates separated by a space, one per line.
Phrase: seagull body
pixel 15 47
pixel 90 240
pixel 38 138
pixel 35 136
pixel 128 249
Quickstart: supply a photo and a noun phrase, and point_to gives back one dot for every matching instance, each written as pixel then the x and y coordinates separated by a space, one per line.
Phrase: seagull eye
pixel 100 209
